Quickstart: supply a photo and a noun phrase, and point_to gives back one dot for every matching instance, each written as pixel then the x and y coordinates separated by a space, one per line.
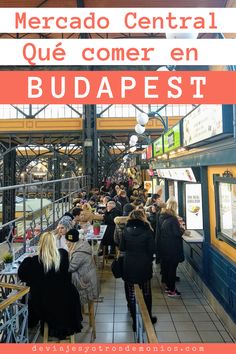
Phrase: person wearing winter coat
pixel 120 222
pixel 64 225
pixel 82 267
pixel 53 298
pixel 138 244
pixel 121 199
pixel 171 245
pixel 109 216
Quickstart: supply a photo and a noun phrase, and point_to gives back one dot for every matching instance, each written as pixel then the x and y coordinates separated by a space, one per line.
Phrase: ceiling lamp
pixel 132 143
pixel 142 118
pixel 162 68
pixel 134 138
pixel 181 35
pixel 139 129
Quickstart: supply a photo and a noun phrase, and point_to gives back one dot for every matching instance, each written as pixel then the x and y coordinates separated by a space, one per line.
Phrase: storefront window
pixel 225 191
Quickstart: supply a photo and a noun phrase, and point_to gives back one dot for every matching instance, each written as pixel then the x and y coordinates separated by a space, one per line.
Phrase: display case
pixel 225 207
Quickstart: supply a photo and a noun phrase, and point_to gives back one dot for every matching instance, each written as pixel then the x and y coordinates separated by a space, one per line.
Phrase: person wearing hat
pixel 64 225
pixel 82 267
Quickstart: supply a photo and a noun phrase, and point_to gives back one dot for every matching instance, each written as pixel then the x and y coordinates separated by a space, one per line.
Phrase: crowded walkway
pixel 126 221
pixel 187 320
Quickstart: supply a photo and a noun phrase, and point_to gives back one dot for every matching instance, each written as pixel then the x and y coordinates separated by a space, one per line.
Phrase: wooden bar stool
pixel 70 339
pixel 104 256
pixel 90 313
pixel 92 318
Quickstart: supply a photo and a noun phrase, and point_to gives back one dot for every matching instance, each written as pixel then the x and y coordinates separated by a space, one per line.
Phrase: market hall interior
pixel 56 158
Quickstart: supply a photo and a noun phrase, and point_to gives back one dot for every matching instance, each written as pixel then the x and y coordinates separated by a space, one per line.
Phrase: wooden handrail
pixel 151 335
pixel 21 291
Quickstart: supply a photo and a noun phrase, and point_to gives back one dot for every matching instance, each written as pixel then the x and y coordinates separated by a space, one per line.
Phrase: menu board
pixel 203 123
pixel 148 186
pixel 179 174
pixel 149 152
pixel 158 147
pixel 172 139
pixel 194 219
pixel 227 208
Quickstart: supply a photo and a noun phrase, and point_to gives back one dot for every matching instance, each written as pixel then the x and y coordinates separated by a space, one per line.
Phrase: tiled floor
pixel 188 319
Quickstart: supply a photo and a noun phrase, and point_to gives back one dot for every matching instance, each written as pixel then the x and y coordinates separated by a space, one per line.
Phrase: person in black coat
pixel 110 214
pixel 171 245
pixel 53 298
pixel 121 199
pixel 138 244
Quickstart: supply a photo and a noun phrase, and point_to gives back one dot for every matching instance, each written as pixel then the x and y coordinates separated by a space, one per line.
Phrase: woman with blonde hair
pixel 171 245
pixel 138 244
pixel 53 298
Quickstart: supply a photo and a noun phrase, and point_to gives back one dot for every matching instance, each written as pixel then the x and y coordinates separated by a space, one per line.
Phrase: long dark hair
pixel 139 215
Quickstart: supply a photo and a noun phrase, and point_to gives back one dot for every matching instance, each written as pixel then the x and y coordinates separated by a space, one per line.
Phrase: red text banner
pixel 118 348
pixel 120 87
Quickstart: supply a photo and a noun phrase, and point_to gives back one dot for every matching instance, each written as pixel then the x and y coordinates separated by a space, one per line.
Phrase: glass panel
pixel 227 201
pixel 63 111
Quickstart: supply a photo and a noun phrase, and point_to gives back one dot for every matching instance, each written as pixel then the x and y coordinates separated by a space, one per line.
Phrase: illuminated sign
pixel 178 174
pixel 207 122
pixel 148 186
pixel 149 152
pixel 194 219
pixel 158 147
pixel 172 139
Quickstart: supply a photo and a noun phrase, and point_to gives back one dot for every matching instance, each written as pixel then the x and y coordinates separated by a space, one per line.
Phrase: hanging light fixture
pixel 133 140
pixel 163 68
pixel 132 143
pixel 139 129
pixel 181 35
pixel 142 118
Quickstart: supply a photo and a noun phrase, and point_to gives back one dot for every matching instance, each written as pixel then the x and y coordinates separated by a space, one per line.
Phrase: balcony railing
pixel 39 206
pixel 13 314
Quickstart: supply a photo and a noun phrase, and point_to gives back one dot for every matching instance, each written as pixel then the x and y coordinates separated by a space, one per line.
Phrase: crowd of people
pixel 140 228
